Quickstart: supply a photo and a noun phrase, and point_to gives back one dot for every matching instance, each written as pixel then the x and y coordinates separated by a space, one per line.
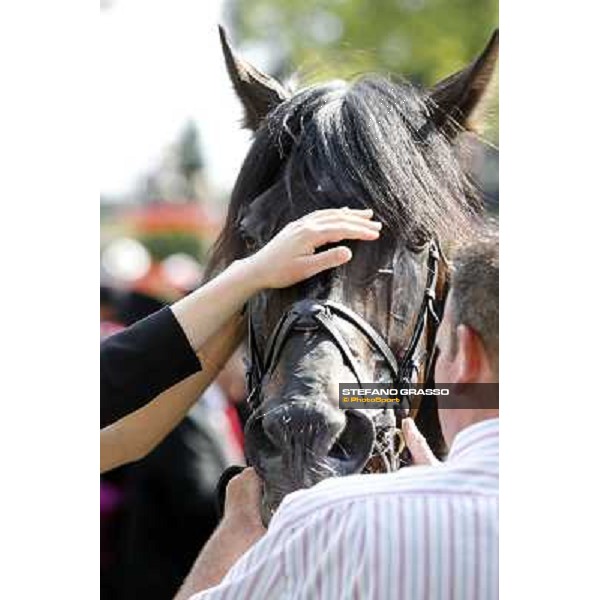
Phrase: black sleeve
pixel 142 361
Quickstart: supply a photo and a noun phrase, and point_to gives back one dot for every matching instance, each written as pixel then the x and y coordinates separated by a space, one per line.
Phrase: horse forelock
pixel 369 143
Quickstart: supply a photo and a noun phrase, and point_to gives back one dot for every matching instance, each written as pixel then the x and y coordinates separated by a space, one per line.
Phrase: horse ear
pixel 460 97
pixel 258 92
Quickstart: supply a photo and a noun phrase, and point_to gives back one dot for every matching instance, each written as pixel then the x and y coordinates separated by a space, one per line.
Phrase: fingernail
pixel 345 253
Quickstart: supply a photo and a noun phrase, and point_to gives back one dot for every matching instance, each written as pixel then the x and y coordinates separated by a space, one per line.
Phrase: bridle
pixel 322 315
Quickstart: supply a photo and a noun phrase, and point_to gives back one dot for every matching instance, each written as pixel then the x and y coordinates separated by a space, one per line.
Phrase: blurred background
pixel 170 150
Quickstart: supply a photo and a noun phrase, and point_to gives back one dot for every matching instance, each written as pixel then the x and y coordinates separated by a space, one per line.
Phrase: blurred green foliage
pixel 423 40
pixel 161 246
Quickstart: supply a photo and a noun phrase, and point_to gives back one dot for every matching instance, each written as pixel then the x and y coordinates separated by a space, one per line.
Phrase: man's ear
pixel 470 355
pixel 258 92
pixel 460 98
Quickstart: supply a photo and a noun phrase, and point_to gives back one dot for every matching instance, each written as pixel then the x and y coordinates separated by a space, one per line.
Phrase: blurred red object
pixel 174 217
pixel 108 328
pixel 235 427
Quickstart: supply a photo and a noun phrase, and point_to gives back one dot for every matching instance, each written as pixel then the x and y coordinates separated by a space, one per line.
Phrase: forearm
pixel 229 542
pixel 205 311
pixel 135 435
pixel 141 362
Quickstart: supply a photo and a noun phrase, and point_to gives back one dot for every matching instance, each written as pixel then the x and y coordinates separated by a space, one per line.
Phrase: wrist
pixel 254 275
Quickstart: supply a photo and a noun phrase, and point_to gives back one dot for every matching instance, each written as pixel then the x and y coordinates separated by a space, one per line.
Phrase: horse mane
pixel 369 143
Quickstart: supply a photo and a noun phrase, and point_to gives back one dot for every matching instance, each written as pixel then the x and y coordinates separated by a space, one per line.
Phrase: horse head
pixel 368 143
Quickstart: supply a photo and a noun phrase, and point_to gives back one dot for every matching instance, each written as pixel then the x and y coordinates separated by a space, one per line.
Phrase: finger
pixel 336 233
pixel 243 496
pixel 246 483
pixel 417 444
pixel 317 215
pixel 316 263
pixel 248 478
pixel 347 218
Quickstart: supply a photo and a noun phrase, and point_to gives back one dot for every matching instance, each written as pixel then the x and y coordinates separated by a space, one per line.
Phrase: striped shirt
pixel 421 533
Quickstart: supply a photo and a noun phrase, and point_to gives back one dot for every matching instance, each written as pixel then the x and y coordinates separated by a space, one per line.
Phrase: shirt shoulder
pixel 339 491
pixel 467 479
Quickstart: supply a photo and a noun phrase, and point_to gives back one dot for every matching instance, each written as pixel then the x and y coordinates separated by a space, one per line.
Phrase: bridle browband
pixel 320 315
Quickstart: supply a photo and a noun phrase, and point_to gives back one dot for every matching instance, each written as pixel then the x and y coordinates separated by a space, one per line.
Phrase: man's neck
pixel 456 420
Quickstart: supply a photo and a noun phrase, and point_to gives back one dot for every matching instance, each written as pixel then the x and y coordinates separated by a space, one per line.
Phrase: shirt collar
pixel 481 437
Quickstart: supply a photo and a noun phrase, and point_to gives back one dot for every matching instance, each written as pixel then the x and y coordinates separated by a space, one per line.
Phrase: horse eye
pixel 249 241
pixel 251 244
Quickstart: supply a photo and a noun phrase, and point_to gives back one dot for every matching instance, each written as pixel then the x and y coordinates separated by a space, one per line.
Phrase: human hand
pixel 239 530
pixel 417 444
pixel 242 501
pixel 290 256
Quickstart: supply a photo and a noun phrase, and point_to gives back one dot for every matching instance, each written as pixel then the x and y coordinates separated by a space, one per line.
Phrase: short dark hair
pixel 475 288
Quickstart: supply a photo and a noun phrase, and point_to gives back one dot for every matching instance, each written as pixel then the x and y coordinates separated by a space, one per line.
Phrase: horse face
pixel 298 435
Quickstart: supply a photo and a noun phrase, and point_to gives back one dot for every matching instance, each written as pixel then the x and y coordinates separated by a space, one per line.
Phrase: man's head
pixel 468 335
